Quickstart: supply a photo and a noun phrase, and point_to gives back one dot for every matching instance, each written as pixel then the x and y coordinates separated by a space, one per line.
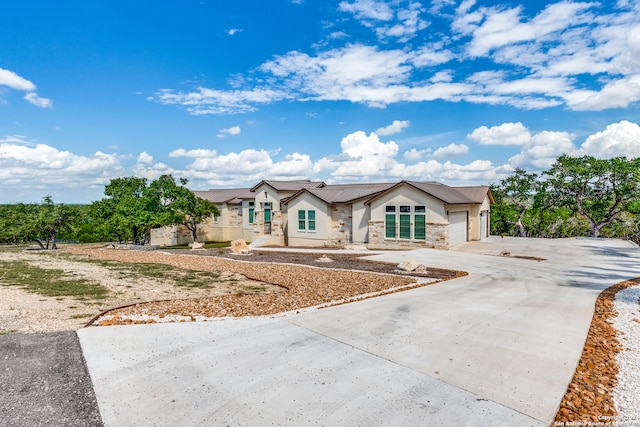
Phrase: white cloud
pixel 145 158
pixel 577 54
pixel 617 139
pixel 34 170
pixel 543 150
pixel 234 31
pixel 234 130
pixel 367 10
pixel 505 134
pixel 12 80
pixel 451 150
pixel 33 98
pixel 415 155
pixel 395 127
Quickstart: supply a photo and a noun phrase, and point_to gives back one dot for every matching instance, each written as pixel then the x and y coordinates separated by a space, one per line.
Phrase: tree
pixel 127 210
pixel 598 190
pixel 132 208
pixel 516 195
pixel 181 205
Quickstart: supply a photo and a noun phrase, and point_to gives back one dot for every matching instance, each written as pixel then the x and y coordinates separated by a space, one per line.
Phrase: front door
pixel 267 219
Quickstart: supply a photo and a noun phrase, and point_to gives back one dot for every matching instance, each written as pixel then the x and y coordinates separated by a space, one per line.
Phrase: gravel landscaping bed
pixel 307 278
pixel 604 387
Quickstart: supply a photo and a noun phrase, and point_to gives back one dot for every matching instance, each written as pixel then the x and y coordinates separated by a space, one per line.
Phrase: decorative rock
pixel 324 258
pixel 240 247
pixel 197 245
pixel 408 266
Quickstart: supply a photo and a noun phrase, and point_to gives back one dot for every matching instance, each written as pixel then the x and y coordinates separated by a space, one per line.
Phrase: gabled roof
pixel 477 194
pixel 293 185
pixel 343 193
pixel 442 192
pixel 226 195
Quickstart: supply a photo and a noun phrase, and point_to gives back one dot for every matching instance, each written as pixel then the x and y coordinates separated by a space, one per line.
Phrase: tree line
pixel 131 208
pixel 576 196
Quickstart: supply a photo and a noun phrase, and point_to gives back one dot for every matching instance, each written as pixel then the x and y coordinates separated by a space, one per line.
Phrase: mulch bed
pixel 357 262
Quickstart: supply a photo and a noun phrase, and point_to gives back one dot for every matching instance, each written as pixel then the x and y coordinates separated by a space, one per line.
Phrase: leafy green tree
pixel 127 211
pixel 599 190
pixel 516 196
pixel 132 207
pixel 181 205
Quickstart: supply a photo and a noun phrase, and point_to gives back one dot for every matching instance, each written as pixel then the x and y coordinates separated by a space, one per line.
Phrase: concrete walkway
pixel 497 347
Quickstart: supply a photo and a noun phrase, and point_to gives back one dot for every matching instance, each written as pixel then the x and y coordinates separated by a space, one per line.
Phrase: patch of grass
pixel 49 282
pixel 8 331
pixel 207 245
pixel 81 316
pixel 180 277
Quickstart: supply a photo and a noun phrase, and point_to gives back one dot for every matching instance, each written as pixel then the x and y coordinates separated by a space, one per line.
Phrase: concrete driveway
pixel 497 347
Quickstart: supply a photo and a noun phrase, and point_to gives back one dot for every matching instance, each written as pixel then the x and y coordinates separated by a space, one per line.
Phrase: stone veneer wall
pixel 437 236
pixel 341 224
pixel 171 235
pixel 277 227
pixel 235 220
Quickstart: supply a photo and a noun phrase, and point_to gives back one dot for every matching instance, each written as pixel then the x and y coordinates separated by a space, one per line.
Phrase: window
pixel 251 215
pixel 312 220
pixel 307 220
pixel 390 222
pixel 405 222
pixel 419 223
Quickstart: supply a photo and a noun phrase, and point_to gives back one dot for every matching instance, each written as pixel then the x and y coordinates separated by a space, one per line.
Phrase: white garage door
pixel 457 228
pixel 484 224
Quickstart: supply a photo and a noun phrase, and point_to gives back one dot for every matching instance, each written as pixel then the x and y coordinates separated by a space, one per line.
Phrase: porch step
pixel 259 242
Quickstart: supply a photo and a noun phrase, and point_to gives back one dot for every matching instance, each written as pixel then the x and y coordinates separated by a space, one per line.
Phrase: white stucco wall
pixel 407 195
pixel 298 237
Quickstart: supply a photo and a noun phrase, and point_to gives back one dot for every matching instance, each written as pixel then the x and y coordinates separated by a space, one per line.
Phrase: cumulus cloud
pixel 234 130
pixel 617 139
pixel 505 134
pixel 415 155
pixel 145 158
pixel 395 127
pixel 34 170
pixel 451 150
pixel 543 149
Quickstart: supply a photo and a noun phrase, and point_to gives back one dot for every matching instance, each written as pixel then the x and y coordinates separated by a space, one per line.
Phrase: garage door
pixel 457 228
pixel 484 220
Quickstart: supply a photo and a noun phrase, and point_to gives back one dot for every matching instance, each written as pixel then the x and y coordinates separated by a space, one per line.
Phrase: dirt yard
pixel 159 286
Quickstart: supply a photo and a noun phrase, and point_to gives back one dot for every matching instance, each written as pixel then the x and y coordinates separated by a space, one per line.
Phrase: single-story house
pixel 380 215
pixel 404 214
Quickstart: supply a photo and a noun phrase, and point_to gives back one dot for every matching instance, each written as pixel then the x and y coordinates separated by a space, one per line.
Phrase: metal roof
pixel 346 193
pixel 226 195
pixel 293 185
pixel 477 194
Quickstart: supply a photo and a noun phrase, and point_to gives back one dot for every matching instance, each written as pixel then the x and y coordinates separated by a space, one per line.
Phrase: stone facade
pixel 173 235
pixel 437 237
pixel 341 224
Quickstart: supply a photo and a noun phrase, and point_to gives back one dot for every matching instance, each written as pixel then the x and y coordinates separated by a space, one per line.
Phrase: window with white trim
pixel 406 222
pixel 306 220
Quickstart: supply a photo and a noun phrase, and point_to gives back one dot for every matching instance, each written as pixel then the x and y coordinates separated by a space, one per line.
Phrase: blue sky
pixel 229 93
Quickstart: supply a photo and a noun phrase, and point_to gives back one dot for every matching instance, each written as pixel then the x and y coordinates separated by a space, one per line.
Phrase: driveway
pixel 497 347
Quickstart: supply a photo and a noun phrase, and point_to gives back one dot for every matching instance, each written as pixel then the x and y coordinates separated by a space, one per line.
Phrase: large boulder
pixel 408 266
pixel 197 245
pixel 240 247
